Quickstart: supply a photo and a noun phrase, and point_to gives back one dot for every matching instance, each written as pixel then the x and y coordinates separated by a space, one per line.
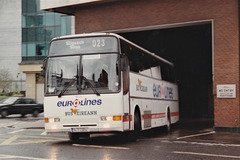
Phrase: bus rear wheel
pixel 168 123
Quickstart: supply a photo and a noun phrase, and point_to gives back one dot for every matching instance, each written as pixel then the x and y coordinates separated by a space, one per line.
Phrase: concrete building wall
pixel 31 85
pixel 11 37
pixel 31 89
pixel 60 3
pixel 224 13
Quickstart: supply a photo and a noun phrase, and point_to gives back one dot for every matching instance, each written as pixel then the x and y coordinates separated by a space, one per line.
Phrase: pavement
pixel 27 122
pixel 221 137
pixel 202 130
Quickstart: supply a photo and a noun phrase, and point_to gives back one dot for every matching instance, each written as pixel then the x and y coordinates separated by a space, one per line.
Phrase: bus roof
pixel 115 35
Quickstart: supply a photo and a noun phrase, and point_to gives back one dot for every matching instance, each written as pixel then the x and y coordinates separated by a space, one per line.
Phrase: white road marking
pixel 206 154
pixel 196 135
pixel 4 156
pixel 208 144
pixel 44 133
pixel 20 130
pixel 103 147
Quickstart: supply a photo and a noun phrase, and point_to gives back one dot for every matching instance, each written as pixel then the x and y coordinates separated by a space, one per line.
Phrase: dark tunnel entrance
pixel 190 49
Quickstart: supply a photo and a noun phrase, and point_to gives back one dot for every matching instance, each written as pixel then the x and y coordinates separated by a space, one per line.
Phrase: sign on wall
pixel 226 91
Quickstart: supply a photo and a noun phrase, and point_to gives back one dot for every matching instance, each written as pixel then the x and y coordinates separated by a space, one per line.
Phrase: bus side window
pixel 133 57
pixel 173 75
pixel 164 72
pixel 168 73
pixel 156 72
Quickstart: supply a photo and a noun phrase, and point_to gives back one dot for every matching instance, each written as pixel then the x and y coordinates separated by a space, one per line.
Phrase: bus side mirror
pixel 44 67
pixel 124 63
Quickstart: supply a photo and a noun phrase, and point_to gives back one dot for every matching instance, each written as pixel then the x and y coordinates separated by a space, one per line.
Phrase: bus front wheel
pixel 74 137
pixel 137 124
pixel 135 134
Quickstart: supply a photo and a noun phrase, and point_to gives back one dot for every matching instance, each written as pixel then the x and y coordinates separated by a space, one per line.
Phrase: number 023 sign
pixel 226 91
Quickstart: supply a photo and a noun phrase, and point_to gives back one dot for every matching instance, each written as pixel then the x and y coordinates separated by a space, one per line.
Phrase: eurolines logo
pixel 76 103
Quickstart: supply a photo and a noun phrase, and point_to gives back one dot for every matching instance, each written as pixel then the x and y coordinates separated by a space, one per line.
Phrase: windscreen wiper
pixel 71 82
pixel 91 86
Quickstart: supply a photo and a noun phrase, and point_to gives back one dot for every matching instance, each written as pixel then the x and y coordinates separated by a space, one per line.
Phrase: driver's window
pixel 103 79
pixel 62 72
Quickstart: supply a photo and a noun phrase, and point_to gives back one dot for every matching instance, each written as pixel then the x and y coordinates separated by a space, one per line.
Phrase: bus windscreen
pixel 83 46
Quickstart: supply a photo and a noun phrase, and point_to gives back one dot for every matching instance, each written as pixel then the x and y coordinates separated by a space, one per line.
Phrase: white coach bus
pixel 101 82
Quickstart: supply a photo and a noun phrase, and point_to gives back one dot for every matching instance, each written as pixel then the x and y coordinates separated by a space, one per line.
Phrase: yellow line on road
pixel 8 141
pixel 36 141
pixel 43 137
pixel 4 156
pixel 24 139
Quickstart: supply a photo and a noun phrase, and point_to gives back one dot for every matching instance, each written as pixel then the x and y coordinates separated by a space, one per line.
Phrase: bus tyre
pixel 4 113
pixel 74 137
pixel 135 134
pixel 168 123
pixel 137 124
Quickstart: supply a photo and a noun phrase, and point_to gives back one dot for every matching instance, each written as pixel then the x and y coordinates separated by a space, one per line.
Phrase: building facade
pixel 180 23
pixel 38 28
pixel 25 35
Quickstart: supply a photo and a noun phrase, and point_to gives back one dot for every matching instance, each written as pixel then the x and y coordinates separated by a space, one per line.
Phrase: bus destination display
pixel 83 45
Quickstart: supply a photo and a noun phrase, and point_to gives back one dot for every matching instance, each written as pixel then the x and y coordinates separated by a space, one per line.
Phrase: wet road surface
pixel 190 139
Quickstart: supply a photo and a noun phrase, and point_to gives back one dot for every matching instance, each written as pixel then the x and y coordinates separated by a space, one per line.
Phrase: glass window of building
pixel 38 28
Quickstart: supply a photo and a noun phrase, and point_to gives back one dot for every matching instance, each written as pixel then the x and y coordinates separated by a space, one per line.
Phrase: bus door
pixel 126 104
pixel 126 97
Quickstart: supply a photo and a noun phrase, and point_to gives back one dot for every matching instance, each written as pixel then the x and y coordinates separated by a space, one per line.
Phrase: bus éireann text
pixel 101 82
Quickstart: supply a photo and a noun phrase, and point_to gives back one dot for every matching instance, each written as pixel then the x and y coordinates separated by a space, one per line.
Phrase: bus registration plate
pixel 80 129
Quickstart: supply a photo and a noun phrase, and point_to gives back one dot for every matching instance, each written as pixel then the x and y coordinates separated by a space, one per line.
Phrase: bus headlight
pixel 111 118
pixel 52 120
pixel 106 118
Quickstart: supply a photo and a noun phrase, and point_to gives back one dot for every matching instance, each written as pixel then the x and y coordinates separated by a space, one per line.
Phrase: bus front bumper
pixel 84 128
